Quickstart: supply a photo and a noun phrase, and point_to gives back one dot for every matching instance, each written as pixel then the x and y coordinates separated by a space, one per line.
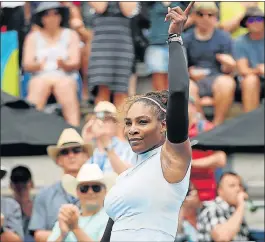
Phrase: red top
pixel 202 178
pixel 77 3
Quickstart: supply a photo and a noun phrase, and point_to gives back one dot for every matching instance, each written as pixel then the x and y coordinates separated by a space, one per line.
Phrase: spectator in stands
pixel 231 14
pixel 204 163
pixel 11 218
pixel 112 51
pixel 249 53
pixel 156 56
pixel 223 218
pixel 70 154
pixel 188 216
pixel 90 188
pixel 52 55
pixel 111 153
pixel 21 184
pixel 209 57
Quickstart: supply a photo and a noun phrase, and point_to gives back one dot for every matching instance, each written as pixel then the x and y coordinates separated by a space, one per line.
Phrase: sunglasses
pixel 255 19
pixel 75 150
pixel 95 188
pixel 200 14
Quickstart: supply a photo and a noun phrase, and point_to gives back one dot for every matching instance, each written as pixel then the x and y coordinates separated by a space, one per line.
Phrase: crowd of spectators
pixel 100 44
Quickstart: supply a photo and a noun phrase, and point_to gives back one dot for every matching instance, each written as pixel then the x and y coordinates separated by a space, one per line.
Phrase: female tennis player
pixel 144 203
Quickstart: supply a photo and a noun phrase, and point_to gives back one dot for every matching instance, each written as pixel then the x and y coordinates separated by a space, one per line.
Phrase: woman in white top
pixel 144 203
pixel 52 55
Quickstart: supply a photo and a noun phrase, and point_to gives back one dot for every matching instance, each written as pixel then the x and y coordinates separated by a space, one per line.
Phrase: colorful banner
pixel 9 63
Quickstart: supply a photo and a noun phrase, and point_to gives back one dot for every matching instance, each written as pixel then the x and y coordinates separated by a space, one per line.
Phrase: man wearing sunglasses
pixel 209 54
pixel 70 154
pixel 89 224
pixel 249 54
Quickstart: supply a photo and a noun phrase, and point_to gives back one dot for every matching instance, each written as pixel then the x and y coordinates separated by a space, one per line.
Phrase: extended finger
pixel 173 16
pixel 188 9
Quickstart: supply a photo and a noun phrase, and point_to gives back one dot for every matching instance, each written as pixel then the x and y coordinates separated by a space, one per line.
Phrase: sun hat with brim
pixel 2 172
pixel 251 12
pixel 69 138
pixel 87 173
pixel 44 6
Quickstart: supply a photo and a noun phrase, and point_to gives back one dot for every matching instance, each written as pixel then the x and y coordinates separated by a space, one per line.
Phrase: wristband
pixel 175 38
pixel 2 230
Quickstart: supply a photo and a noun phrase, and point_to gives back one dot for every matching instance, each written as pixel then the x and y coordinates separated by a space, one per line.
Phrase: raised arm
pixel 176 153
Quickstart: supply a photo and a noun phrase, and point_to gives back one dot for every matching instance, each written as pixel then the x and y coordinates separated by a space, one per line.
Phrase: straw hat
pixel 68 138
pixel 87 173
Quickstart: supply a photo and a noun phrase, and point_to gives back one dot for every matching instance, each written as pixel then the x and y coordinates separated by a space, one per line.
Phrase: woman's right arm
pixel 29 63
pixel 107 232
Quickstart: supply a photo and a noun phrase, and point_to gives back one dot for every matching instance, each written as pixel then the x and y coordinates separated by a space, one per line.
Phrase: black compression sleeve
pixel 107 232
pixel 177 108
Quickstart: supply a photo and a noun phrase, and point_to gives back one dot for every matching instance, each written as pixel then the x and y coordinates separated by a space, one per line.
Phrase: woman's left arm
pixel 176 152
pixel 74 54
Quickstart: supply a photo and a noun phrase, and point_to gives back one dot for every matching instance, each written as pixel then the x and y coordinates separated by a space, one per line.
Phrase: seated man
pixel 223 219
pixel 70 154
pixel 231 14
pixel 249 54
pixel 21 184
pixel 111 153
pixel 11 218
pixel 89 187
pixel 209 59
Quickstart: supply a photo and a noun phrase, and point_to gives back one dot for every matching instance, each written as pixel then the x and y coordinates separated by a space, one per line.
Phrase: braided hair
pixel 161 97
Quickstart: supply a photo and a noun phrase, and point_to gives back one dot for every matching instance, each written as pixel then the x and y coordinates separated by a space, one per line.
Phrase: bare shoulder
pixel 31 36
pixel 175 160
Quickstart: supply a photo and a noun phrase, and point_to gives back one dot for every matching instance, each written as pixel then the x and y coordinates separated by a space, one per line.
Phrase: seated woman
pixel 52 55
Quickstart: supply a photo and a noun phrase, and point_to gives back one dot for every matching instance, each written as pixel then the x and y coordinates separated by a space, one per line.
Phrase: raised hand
pixel 64 217
pixel 73 222
pixel 177 18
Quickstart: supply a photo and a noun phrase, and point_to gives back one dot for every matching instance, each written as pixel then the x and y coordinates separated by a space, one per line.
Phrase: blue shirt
pixel 46 206
pixel 142 204
pixel 13 216
pixel 121 148
pixel 202 53
pixel 94 226
pixel 252 50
